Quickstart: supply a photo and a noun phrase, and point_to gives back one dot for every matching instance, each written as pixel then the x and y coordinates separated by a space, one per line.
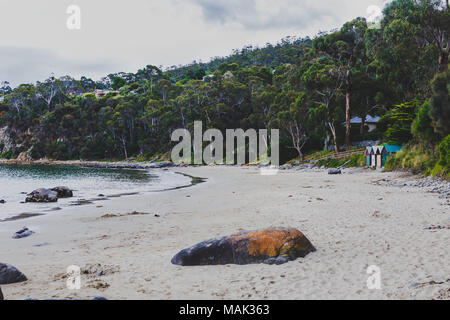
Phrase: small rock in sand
pixel 41 244
pixel 334 171
pixel 23 233
pixel 2 201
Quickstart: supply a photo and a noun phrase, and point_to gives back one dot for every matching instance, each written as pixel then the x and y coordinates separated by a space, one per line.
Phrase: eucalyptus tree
pixel 347 48
pixel 292 116
pixel 150 73
pixel 428 21
pixel 323 80
pixel 440 103
pixel 5 88
pixel 48 90
pixel 411 46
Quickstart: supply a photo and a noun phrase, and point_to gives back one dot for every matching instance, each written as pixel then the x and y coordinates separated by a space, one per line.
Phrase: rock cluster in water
pixel 42 195
pixel 63 192
pixel 270 246
pixel 10 274
pixel 49 195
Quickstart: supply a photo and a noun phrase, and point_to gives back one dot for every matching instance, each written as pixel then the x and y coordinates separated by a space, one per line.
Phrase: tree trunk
pixel 347 110
pixel 336 148
pixel 443 60
pixel 363 123
pixel 333 132
pixel 124 145
pixel 327 138
pixel 300 153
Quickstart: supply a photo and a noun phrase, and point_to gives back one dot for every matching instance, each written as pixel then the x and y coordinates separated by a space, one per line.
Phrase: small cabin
pixel 368 156
pixel 377 156
pixel 379 151
pixel 390 150
pixel 373 159
pixel 370 121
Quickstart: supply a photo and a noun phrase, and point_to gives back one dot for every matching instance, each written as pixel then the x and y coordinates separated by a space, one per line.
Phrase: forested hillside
pixel 308 88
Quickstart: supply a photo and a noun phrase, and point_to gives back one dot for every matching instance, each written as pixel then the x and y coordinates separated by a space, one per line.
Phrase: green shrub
pixel 442 168
pixel 398 121
pixel 416 158
pixel 422 127
pixel 444 152
pixel 7 155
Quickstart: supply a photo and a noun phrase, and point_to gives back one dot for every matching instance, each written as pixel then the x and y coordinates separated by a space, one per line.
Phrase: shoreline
pixel 152 164
pixel 91 201
pixel 94 164
pixel 352 220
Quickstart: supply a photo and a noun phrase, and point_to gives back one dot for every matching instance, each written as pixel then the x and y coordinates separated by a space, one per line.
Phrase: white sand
pixel 351 229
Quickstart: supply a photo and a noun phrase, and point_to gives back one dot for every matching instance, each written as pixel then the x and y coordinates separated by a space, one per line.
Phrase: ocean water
pixel 89 185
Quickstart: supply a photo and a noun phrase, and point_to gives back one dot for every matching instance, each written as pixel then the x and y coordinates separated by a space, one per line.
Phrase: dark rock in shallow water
pixel 23 233
pixel 63 192
pixel 334 171
pixel 271 246
pixel 42 195
pixel 1 294
pixel 10 274
pixel 2 201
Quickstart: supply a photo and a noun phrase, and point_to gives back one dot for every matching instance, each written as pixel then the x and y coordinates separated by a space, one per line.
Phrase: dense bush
pixel 412 157
pixel 398 122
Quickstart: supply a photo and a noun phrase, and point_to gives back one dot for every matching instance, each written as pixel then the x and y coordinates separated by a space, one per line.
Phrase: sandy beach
pixel 354 220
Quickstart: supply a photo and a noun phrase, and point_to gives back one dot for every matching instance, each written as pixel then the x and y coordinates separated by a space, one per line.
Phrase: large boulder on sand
pixel 63 192
pixel 10 274
pixel 42 195
pixel 271 246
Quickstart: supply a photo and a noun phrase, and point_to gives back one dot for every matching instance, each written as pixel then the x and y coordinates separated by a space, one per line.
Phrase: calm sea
pixel 89 185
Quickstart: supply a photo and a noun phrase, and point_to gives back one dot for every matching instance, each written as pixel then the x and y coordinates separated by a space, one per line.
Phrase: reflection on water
pixel 89 184
pixel 71 172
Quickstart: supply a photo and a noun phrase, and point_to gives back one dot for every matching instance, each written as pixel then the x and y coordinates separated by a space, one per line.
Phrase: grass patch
pixel 357 160
pixel 420 159
pixel 415 158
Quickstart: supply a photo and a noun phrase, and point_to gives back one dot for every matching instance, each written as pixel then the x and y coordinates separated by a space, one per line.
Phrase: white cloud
pixel 126 35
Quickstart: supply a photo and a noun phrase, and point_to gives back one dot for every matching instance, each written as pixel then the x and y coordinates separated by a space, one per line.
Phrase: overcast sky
pixel 125 35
